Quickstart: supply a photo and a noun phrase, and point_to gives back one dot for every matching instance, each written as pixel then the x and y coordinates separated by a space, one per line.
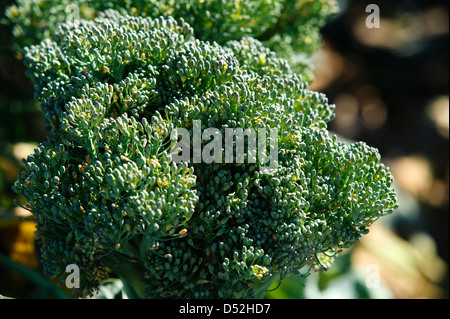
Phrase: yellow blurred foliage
pixel 17 237
pixel 411 269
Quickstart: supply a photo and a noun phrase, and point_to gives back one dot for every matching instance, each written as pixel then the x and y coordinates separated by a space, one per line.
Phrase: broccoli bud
pixel 107 196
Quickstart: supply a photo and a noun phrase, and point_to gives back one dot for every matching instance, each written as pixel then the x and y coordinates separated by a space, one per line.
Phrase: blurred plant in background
pixel 390 86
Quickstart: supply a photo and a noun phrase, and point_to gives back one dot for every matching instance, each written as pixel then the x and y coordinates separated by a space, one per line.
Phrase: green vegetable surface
pixel 289 27
pixel 107 197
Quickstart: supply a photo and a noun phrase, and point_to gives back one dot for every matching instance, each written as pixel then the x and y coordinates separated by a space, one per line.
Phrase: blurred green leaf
pixel 34 276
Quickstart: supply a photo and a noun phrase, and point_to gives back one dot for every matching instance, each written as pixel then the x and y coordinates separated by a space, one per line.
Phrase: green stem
pixel 131 273
pixel 261 289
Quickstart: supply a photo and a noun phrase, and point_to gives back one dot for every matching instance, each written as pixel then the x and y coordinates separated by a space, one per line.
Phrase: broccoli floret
pixel 290 28
pixel 107 195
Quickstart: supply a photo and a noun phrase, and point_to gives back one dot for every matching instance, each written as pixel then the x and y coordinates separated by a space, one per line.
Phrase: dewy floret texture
pixel 106 195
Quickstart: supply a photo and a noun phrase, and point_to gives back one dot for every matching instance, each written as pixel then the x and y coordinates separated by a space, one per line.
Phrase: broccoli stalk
pixel 107 197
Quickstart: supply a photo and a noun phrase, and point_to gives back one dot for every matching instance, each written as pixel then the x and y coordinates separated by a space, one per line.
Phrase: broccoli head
pixel 107 196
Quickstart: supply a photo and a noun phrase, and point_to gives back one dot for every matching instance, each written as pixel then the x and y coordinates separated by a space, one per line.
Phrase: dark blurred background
pixel 390 87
